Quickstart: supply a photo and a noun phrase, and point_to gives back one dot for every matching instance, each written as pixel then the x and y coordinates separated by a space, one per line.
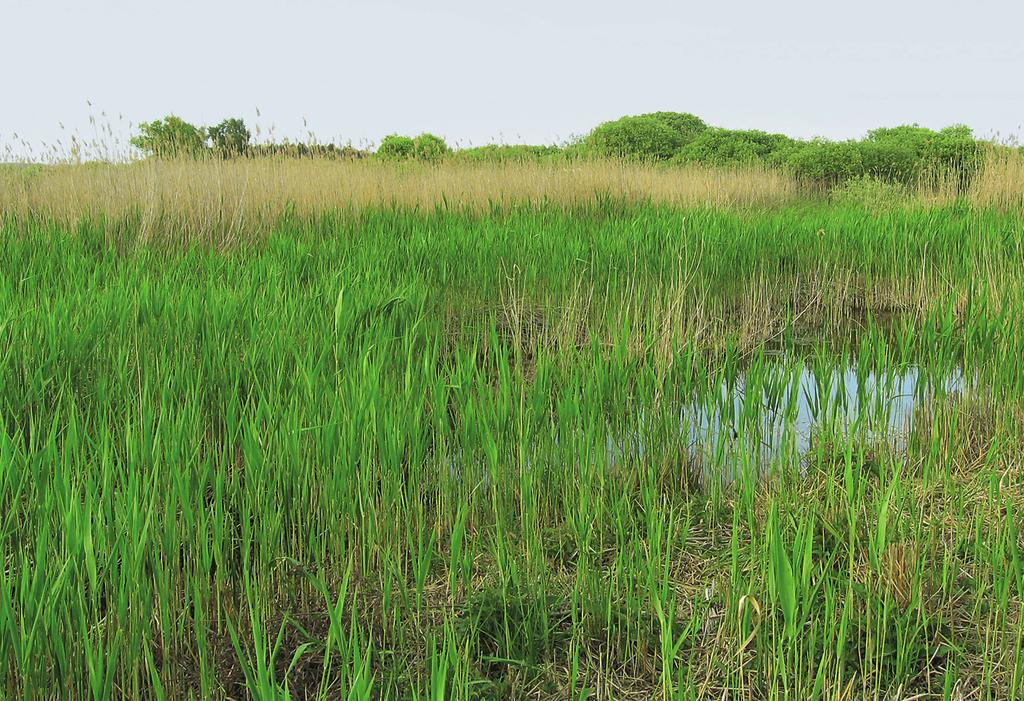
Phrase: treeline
pixel 901 155
pixel 173 137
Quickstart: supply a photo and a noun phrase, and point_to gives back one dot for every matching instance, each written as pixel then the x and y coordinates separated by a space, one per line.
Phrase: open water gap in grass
pixel 754 420
pixel 774 415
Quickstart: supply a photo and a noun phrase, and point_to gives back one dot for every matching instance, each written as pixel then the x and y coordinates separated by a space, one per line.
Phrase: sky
pixel 533 71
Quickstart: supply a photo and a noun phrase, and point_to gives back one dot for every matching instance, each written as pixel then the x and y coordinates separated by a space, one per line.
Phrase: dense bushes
pixel 170 137
pixel 643 137
pixel 904 155
pixel 395 146
pixel 505 153
pixel 828 163
pixel 652 136
pixel 870 192
pixel 230 138
pixel 888 161
pixel 728 147
pixel 173 137
pixel 688 126
pixel 950 151
pixel 913 152
pixel 425 147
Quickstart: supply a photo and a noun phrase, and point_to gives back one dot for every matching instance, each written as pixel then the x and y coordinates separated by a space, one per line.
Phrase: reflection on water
pixel 773 414
pixel 752 420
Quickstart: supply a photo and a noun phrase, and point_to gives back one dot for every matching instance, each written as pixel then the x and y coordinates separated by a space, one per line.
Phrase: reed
pixel 545 443
pixel 210 200
pixel 1001 180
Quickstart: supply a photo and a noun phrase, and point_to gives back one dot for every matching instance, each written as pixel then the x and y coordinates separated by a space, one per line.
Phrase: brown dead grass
pixel 225 201
pixel 999 183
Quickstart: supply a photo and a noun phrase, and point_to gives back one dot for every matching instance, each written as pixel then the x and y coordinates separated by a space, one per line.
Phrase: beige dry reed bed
pixel 231 199
pixel 228 201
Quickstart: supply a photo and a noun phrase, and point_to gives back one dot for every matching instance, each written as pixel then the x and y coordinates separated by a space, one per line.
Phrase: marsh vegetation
pixel 489 429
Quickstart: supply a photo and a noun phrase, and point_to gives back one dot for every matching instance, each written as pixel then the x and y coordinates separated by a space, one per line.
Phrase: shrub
pixel 396 147
pixel 501 153
pixel 230 138
pixel 828 163
pixel 170 137
pixel 427 147
pixel 890 161
pixel 907 153
pixel 729 147
pixel 578 149
pixel 870 192
pixel 899 154
pixel 644 137
pixel 956 152
pixel 688 126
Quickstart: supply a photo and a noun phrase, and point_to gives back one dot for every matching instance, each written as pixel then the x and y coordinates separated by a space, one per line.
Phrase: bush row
pixel 901 155
pixel 172 137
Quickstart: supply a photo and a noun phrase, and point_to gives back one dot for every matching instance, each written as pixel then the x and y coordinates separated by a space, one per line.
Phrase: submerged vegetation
pixel 502 424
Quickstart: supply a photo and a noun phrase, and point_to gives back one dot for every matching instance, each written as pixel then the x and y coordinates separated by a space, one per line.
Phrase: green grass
pixel 367 458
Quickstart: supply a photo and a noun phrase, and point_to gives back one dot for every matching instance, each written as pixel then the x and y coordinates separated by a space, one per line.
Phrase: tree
pixel 170 137
pixel 230 138
pixel 427 147
pixel 396 146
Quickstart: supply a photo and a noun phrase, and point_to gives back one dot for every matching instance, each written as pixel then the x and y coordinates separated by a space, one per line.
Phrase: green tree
pixel 170 137
pixel 230 138
pixel 397 147
pixel 427 147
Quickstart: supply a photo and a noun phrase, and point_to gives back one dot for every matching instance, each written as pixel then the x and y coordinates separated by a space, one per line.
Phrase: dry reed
pixel 227 201
pixel 1000 184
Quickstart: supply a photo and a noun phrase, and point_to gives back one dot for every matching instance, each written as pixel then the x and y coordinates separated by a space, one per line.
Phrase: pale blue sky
pixel 529 70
